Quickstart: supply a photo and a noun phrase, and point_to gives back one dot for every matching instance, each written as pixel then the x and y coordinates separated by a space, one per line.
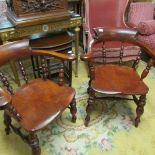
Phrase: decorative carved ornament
pixel 31 12
pixel 23 7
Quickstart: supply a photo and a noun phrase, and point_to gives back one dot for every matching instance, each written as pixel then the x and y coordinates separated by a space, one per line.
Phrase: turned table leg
pixel 77 30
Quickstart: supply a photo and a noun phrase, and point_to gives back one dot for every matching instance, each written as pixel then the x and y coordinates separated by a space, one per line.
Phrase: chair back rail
pixel 103 35
pixel 121 35
pixel 19 49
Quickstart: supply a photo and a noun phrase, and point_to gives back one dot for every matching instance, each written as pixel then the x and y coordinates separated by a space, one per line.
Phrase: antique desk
pixel 9 32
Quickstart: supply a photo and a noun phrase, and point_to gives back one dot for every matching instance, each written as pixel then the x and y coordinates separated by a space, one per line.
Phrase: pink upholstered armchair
pixel 141 18
pixel 106 14
pixel 102 13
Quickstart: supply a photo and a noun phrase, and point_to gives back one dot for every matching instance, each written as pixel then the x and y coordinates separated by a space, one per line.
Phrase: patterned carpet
pixel 111 130
pixel 75 139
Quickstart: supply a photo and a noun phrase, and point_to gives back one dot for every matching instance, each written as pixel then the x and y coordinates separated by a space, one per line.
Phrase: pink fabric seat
pixel 104 13
pixel 141 17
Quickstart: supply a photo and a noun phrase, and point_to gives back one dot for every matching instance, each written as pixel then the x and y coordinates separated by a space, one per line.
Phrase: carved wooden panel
pixel 29 7
pixel 30 12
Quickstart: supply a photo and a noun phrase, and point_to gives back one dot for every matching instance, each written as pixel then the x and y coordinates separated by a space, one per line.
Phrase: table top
pixel 8 31
pixel 6 24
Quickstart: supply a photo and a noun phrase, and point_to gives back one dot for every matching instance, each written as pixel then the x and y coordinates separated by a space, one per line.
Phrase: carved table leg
pixel 34 143
pixel 91 101
pixel 73 110
pixel 140 109
pixel 7 122
pixel 77 30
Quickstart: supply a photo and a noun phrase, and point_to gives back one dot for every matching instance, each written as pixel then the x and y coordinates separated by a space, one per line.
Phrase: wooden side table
pixel 9 32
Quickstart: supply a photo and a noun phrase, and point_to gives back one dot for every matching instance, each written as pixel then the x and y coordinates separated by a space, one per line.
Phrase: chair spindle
pixel 61 74
pixel 22 69
pixel 44 68
pixel 145 72
pixel 13 111
pixel 121 54
pixel 6 83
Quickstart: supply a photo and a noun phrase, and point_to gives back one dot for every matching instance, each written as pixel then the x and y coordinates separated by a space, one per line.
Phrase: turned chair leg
pixel 140 109
pixel 34 143
pixel 7 122
pixel 73 110
pixel 89 107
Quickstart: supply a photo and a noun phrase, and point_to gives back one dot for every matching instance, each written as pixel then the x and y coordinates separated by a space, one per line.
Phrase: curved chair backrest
pixel 104 13
pixel 107 13
pixel 13 50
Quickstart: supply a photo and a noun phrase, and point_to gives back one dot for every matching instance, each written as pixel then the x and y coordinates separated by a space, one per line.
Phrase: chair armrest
pixel 86 56
pixel 5 98
pixel 68 57
pixel 122 35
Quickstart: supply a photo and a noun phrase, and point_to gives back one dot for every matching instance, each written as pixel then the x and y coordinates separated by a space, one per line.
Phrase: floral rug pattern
pixel 65 138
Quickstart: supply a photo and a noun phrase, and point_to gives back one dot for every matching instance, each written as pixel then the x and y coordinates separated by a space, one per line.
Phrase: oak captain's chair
pixel 37 102
pixel 117 79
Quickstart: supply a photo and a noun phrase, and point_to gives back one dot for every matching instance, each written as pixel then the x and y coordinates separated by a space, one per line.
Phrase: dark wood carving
pixel 41 5
pixel 27 7
pixel 31 11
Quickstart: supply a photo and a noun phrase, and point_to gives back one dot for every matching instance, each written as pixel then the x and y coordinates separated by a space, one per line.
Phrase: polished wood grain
pixel 117 79
pixel 50 40
pixel 26 13
pixel 122 79
pixel 37 102
pixel 39 109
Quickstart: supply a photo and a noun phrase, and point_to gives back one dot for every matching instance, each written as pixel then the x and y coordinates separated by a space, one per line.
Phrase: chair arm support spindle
pixel 61 74
pixel 145 72
pixel 92 71
pixel 68 57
